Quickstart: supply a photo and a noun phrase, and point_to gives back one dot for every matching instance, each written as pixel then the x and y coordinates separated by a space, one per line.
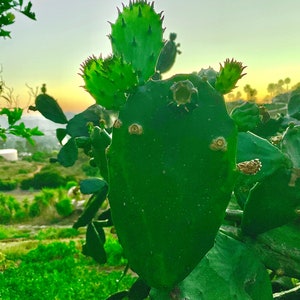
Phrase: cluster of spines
pixel 107 80
pixel 229 75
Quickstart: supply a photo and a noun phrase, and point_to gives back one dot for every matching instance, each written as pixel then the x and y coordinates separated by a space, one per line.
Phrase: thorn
pixel 134 42
pixel 119 12
pixel 123 22
pixel 149 29
pixel 110 23
pixel 123 5
pixel 140 12
pixel 151 56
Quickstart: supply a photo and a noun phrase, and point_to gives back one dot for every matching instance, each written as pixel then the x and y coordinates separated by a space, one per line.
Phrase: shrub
pixel 70 184
pixel 64 207
pixel 39 156
pixel 26 184
pixel 9 208
pixel 8 185
pixel 51 179
pixel 5 215
pixel 34 210
pixel 44 179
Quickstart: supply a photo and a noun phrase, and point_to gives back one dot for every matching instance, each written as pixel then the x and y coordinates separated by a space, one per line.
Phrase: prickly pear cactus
pixel 171 173
pixel 171 162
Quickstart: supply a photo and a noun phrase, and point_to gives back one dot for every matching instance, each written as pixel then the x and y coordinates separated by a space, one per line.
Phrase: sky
pixel 263 34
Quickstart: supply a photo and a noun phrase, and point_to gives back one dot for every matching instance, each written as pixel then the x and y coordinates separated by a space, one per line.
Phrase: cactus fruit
pixel 164 165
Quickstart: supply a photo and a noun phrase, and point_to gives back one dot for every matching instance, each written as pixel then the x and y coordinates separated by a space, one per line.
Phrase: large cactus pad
pixel 171 173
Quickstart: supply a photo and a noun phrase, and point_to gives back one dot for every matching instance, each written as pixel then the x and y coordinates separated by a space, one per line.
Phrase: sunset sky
pixel 263 34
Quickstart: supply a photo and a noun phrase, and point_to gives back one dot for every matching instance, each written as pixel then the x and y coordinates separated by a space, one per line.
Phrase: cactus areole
pixel 171 172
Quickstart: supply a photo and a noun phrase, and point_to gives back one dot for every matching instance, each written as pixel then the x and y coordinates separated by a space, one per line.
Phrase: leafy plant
pixel 7 17
pixel 59 270
pixel 13 116
pixel 174 164
pixel 64 207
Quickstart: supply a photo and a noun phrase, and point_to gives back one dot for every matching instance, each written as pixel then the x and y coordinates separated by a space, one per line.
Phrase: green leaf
pixel 228 271
pixel 12 115
pixel 68 154
pixel 27 11
pixel 4 33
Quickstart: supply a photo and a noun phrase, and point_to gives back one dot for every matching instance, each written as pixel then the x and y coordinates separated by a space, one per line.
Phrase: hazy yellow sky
pixel 263 34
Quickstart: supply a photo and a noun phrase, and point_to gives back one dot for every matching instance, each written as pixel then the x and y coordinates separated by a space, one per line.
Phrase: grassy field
pixel 40 255
pixel 48 264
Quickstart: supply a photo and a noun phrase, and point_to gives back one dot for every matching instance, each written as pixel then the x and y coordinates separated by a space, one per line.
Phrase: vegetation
pixel 57 270
pixel 204 199
pixel 169 133
pixel 7 17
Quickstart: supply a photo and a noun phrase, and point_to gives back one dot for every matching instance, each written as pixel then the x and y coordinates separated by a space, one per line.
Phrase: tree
pixel 271 89
pixel 287 81
pixel 7 17
pixel 251 93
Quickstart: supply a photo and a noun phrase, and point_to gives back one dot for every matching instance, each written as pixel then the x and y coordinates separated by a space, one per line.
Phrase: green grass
pixel 58 270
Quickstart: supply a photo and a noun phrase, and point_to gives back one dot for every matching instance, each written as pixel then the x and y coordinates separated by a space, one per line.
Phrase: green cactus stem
pixel 136 36
pixel 107 80
pixel 164 164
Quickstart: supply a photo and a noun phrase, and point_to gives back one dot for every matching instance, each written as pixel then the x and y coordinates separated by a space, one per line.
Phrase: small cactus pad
pixel 167 55
pixel 229 75
pixel 137 37
pixel 107 80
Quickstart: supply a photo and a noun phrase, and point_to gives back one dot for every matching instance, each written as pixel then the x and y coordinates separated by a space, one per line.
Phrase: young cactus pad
pixel 171 172
pixel 137 37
